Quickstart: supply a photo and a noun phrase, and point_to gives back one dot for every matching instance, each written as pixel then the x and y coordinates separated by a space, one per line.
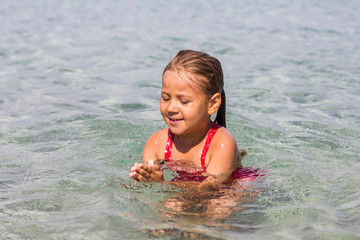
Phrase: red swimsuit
pixel 242 173
pixel 194 176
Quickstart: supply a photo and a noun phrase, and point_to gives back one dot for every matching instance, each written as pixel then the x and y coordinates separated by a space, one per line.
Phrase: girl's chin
pixel 176 123
pixel 176 129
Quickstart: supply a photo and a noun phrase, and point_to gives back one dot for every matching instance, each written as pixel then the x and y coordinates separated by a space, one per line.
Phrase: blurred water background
pixel 79 96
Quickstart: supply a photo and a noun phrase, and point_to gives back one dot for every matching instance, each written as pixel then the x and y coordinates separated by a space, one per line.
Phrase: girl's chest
pixel 190 157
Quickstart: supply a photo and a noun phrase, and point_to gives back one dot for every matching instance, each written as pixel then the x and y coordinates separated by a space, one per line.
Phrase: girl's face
pixel 184 105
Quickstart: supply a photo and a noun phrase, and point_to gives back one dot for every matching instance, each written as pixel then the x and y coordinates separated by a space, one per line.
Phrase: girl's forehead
pixel 182 79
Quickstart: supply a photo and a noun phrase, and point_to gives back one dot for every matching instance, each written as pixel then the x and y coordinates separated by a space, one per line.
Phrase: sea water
pixel 79 96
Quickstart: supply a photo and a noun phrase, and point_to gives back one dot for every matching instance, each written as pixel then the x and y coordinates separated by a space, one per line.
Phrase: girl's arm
pixel 224 155
pixel 148 171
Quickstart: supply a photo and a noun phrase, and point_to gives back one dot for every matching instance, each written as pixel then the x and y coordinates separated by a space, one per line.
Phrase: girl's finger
pixel 133 176
pixel 156 167
pixel 146 169
pixel 141 178
pixel 145 174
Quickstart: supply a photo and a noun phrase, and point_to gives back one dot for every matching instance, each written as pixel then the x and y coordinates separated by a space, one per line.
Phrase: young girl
pixel 193 145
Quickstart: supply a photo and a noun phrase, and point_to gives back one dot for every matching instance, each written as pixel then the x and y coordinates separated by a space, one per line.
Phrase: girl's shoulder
pixel 223 142
pixel 223 134
pixel 160 135
pixel 223 153
pixel 155 145
pixel 158 138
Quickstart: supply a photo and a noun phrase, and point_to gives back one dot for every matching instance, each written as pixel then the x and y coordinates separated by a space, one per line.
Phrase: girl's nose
pixel 172 106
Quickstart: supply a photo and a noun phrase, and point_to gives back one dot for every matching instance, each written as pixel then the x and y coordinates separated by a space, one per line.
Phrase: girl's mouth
pixel 175 120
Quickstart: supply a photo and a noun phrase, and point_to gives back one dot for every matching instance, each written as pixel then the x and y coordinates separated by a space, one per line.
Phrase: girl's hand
pixel 151 172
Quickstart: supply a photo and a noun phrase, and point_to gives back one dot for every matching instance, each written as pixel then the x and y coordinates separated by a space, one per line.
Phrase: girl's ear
pixel 214 103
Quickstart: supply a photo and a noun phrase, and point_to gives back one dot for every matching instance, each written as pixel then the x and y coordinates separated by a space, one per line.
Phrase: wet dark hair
pixel 207 67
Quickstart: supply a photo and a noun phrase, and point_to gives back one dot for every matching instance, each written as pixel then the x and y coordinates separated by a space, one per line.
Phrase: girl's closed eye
pixel 165 98
pixel 184 102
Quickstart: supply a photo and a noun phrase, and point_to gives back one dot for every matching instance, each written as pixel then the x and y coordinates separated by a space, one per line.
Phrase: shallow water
pixel 79 96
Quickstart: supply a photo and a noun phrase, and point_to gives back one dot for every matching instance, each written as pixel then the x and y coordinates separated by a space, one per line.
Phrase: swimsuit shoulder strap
pixel 213 129
pixel 168 146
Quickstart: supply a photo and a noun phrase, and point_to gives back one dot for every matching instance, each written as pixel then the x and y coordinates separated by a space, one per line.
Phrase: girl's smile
pixel 174 121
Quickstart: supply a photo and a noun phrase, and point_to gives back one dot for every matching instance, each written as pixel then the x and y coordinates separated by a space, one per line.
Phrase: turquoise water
pixel 79 96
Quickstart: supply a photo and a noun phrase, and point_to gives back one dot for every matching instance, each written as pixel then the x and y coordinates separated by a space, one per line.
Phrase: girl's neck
pixel 186 142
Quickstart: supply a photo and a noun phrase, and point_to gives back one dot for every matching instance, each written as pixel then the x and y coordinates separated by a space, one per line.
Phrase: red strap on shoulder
pixel 213 129
pixel 169 146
